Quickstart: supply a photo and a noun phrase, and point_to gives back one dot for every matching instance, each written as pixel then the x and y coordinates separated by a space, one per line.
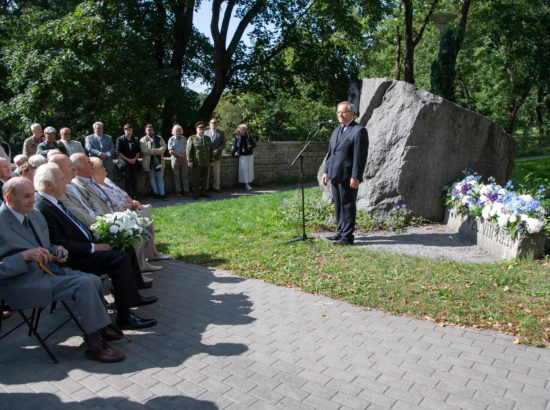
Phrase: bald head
pixel 64 164
pixel 19 195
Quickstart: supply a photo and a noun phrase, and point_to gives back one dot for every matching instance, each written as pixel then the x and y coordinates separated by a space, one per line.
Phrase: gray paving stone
pixel 226 342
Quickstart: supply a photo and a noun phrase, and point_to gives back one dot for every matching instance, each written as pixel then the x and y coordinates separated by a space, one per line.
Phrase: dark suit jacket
pixel 347 158
pixel 63 231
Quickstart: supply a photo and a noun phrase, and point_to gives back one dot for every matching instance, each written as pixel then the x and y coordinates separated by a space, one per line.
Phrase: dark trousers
pixel 345 208
pixel 199 179
pixel 118 266
pixel 130 180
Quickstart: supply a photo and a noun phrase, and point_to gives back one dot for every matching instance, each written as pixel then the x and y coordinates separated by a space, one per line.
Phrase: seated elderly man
pixel 50 143
pixel 102 203
pixel 24 247
pixel 5 173
pixel 19 160
pixel 84 254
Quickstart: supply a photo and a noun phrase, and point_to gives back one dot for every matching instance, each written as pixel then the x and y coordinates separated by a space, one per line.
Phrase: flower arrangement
pixel 510 211
pixel 121 229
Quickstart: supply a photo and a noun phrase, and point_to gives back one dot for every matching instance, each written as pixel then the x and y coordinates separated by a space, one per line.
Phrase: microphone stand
pixel 300 155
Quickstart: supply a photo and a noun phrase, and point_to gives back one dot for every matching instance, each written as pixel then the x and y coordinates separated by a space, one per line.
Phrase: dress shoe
pixel 334 237
pixel 148 267
pixel 217 190
pixel 104 353
pixel 159 257
pixel 146 300
pixel 344 242
pixel 110 335
pixel 145 285
pixel 135 322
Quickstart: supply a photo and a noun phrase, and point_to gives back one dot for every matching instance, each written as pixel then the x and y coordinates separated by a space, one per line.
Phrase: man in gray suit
pixel 70 145
pixel 101 145
pixel 24 245
pixel 218 144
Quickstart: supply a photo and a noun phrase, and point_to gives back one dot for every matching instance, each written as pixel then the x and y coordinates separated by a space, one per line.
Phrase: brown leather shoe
pixel 104 353
pixel 110 335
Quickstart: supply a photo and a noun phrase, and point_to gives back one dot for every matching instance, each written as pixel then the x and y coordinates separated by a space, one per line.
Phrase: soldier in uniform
pixel 199 159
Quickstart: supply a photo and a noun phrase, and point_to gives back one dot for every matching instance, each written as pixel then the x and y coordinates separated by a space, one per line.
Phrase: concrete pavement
pixel 224 342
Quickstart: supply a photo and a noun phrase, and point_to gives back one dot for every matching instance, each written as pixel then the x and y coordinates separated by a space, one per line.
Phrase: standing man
pixel 178 159
pixel 101 145
pixel 71 146
pixel 50 143
pixel 30 145
pixel 127 148
pixel 199 160
pixel 346 159
pixel 218 144
pixel 152 148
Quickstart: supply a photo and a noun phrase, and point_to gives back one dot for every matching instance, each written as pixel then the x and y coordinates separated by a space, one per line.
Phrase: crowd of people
pixel 59 188
pixel 51 196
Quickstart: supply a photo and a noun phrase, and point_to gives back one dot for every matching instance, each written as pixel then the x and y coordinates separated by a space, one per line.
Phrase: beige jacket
pixel 147 149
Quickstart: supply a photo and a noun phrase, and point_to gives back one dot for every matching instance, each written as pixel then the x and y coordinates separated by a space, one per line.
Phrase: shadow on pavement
pixel 23 401
pixel 186 307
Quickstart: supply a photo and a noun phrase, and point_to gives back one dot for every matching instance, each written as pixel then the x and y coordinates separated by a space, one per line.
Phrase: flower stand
pixel 498 243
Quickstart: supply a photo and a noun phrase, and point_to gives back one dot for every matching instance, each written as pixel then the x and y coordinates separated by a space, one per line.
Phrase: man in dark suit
pixel 84 254
pixel 128 150
pixel 24 245
pixel 346 159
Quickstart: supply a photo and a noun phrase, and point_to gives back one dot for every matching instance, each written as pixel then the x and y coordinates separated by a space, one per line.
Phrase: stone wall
pixel 271 163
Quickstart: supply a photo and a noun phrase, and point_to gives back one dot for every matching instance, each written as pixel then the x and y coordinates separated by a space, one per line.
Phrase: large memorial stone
pixel 419 143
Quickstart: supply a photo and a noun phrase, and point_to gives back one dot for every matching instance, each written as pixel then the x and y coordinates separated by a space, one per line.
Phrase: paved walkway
pixel 225 342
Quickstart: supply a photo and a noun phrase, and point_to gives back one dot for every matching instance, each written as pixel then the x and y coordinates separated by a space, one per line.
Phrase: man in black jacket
pixel 85 255
pixel 128 151
pixel 346 159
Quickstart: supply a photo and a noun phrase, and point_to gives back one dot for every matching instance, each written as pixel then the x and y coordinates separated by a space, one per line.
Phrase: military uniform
pixel 200 154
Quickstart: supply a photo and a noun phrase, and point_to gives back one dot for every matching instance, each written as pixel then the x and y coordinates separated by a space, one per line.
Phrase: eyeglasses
pixel 213 122
pixel 342 112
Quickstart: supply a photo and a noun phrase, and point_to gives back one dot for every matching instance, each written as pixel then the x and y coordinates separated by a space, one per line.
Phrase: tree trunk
pixel 513 107
pixel 183 28
pixel 397 53
pixel 409 47
pixel 538 111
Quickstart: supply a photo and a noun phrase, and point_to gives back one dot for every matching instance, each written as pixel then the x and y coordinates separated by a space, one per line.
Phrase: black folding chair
pixel 32 323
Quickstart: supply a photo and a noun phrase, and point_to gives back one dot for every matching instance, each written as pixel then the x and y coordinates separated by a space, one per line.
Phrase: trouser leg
pixel 153 182
pixel 160 181
pixel 347 209
pixel 81 292
pixel 216 167
pixel 195 179
pixel 176 169
pixel 205 173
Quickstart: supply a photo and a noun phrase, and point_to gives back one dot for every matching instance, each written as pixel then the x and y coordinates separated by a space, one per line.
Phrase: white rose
pixel 113 229
pixel 534 225
pixel 513 218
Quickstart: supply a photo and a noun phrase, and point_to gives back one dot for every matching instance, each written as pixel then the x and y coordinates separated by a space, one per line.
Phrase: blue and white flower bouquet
pixel 121 229
pixel 510 211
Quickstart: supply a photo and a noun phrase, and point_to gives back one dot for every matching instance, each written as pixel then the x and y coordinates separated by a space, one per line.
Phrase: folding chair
pixel 32 323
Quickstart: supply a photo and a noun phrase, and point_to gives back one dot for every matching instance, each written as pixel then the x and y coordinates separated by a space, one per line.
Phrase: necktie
pixel 340 132
pixel 104 196
pixel 76 221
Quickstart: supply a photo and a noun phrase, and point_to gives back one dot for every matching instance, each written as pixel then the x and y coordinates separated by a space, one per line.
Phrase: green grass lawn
pixel 244 235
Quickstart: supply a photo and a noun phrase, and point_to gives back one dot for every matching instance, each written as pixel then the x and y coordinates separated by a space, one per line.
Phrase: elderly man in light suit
pixel 70 145
pixel 24 243
pixel 101 145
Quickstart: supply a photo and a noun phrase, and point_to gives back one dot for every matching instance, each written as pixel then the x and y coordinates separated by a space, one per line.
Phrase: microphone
pixel 320 124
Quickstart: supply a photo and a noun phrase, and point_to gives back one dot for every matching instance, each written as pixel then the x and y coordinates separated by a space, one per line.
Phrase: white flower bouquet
pixel 510 211
pixel 121 229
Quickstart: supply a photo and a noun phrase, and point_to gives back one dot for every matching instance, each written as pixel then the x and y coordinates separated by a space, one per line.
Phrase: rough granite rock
pixel 418 144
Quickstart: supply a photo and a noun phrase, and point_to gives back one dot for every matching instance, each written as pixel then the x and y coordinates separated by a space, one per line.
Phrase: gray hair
pixel 19 158
pixel 176 127
pixel 10 187
pixel 45 174
pixel 53 152
pixel 350 105
pixel 35 125
pixel 37 159
pixel 97 123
